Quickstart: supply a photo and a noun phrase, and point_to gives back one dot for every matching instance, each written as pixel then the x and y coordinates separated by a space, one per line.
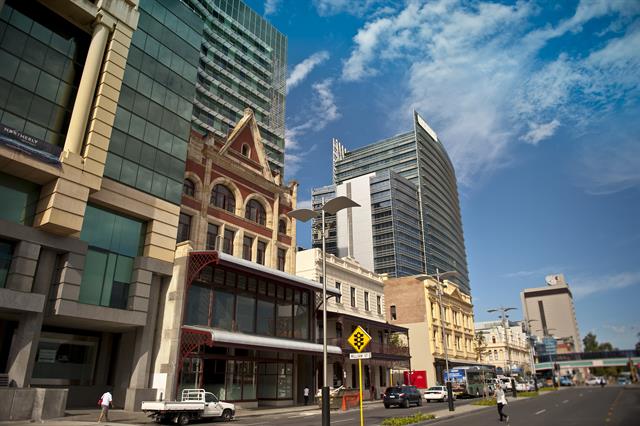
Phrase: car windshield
pixel 435 388
pixel 393 390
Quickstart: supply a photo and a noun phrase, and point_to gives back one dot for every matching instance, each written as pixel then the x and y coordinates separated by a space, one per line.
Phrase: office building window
pixel 247 244
pixel 353 297
pixel 366 300
pixel 379 304
pixel 223 198
pixel 213 231
pixel 392 311
pixel 6 253
pixel 19 198
pixel 255 212
pixel 282 255
pixel 227 243
pixel 338 297
pixel 261 252
pixel 114 241
pixel 184 228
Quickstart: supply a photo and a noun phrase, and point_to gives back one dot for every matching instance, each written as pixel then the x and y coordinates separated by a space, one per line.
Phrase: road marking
pixel 340 421
pixel 565 401
pixel 541 411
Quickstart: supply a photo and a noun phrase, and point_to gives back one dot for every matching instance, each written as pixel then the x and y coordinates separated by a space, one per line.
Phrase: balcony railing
pixel 375 347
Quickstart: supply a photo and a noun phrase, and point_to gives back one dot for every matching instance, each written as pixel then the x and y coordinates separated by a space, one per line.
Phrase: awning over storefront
pixel 224 259
pixel 250 340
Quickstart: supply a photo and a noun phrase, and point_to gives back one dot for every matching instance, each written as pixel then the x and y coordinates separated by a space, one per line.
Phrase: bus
pixel 470 381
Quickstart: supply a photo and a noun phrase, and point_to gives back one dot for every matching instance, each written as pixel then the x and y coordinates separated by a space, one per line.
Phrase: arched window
pixel 282 226
pixel 223 198
pixel 189 188
pixel 255 212
pixel 245 150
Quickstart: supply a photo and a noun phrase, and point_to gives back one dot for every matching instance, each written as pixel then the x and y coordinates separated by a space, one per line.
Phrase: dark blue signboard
pixel 29 145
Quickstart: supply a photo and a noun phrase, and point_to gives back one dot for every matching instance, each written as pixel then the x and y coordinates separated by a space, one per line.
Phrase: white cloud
pixel 541 131
pixel 476 73
pixel 540 272
pixel 271 7
pixel 588 286
pixel 352 7
pixel 323 111
pixel 302 70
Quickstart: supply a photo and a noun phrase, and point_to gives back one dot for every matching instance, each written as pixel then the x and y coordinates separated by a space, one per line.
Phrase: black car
pixel 402 395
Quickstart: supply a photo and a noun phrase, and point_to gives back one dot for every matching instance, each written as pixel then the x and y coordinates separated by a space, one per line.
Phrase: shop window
pixel 266 318
pixel 245 317
pixel 114 241
pixel 222 316
pixel 189 188
pixel 284 319
pixel 65 359
pixel 197 310
pixel 223 198
pixel 256 212
pixel 6 253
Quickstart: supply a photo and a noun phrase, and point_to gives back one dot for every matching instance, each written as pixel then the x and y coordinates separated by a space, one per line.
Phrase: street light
pixel 532 351
pixel 503 314
pixel 437 276
pixel 332 207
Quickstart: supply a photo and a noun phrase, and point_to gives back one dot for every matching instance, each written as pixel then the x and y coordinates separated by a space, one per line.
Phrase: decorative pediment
pixel 245 143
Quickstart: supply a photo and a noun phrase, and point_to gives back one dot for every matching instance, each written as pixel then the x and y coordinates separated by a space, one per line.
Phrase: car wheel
pixel 420 402
pixel 183 419
pixel 227 416
pixel 405 403
pixel 386 405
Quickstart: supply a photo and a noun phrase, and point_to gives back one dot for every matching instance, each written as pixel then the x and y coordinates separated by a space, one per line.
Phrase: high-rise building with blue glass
pixel 420 157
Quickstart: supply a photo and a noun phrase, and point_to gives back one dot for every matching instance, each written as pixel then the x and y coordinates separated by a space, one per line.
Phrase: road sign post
pixel 359 340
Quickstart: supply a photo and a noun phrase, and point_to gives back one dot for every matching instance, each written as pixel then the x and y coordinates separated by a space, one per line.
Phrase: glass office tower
pixel 420 157
pixel 242 65
pixel 148 146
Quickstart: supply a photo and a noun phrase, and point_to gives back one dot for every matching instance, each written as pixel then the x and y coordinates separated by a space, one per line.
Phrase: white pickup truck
pixel 193 405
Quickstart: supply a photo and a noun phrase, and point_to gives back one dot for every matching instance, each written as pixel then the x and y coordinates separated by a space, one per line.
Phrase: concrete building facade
pixel 414 303
pixel 361 303
pixel 89 147
pixel 551 312
pixel 507 350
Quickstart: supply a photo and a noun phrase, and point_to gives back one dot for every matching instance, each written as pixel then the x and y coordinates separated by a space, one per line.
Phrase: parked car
pixel 403 396
pixel 623 380
pixel 437 393
pixel 593 381
pixel 566 381
pixel 524 386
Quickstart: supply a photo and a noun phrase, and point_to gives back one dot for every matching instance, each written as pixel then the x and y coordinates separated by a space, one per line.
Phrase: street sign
pixel 359 339
pixel 361 355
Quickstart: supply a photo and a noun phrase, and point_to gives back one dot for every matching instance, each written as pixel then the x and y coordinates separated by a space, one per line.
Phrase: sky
pixel 537 103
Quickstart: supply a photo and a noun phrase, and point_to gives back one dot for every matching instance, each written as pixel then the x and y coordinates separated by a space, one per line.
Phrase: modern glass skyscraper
pixel 242 65
pixel 420 157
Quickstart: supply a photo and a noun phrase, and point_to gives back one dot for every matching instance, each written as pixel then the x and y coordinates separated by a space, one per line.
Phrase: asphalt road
pixel 611 406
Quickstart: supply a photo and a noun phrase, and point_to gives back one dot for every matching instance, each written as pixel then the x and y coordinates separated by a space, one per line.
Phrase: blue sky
pixel 537 104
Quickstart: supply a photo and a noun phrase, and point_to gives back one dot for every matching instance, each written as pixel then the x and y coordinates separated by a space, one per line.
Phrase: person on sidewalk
pixel 105 402
pixel 501 400
pixel 305 393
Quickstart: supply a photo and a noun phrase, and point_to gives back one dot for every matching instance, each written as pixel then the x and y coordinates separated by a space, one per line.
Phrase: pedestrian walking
pixel 305 393
pixel 105 401
pixel 501 400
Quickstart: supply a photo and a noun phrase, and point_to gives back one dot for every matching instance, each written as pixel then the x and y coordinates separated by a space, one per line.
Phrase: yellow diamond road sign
pixel 359 339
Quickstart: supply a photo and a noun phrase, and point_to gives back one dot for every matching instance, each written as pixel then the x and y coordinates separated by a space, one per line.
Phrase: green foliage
pixel 590 343
pixel 401 421
pixel 546 389
pixel 485 402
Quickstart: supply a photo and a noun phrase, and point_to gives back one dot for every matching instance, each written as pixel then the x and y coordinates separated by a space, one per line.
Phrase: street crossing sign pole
pixel 359 340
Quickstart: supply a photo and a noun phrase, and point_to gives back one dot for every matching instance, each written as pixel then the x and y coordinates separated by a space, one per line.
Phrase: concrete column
pixel 26 337
pixel 140 371
pixel 23 266
pixel 86 89
pixel 104 358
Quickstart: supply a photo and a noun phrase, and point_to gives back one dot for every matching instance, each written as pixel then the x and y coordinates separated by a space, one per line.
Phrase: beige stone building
pixel 507 348
pixel 413 302
pixel 551 312
pixel 92 157
pixel 361 303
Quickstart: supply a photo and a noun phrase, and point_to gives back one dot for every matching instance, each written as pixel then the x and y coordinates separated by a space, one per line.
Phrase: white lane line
pixel 541 411
pixel 340 421
pixel 565 401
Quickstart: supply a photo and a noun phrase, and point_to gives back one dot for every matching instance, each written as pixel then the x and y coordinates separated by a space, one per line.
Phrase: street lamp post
pixel 438 275
pixel 503 313
pixel 332 207
pixel 532 350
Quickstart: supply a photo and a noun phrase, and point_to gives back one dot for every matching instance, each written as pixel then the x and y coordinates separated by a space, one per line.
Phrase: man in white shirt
pixel 305 393
pixel 501 400
pixel 105 403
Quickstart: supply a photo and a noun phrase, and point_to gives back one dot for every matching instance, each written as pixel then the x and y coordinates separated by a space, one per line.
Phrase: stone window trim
pixel 283 225
pixel 231 186
pixel 197 183
pixel 265 205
